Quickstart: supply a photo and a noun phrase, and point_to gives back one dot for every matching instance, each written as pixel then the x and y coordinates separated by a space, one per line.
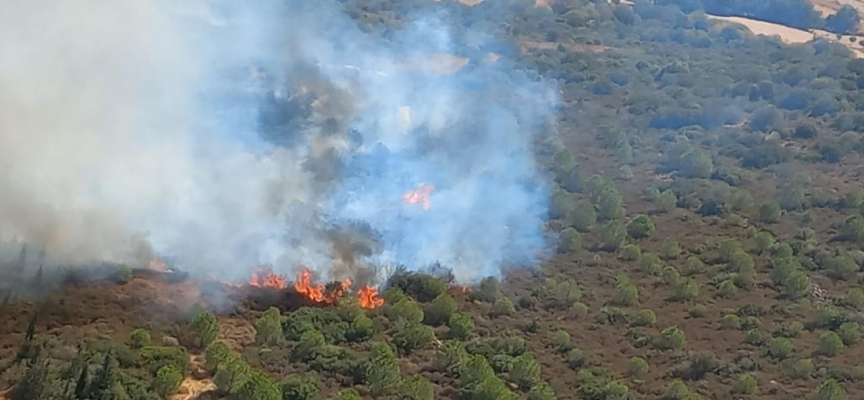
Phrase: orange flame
pixel 305 288
pixel 319 293
pixel 419 196
pixel 368 298
pixel 268 279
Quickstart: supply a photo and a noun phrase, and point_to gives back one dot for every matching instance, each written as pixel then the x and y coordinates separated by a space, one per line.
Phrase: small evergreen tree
pixel 205 327
pixel 268 328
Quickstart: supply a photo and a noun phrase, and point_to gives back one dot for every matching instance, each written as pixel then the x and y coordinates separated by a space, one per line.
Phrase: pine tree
pixel 33 384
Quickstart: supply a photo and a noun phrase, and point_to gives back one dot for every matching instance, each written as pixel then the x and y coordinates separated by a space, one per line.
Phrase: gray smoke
pixel 225 135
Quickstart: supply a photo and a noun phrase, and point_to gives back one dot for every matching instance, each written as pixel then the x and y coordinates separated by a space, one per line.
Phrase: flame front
pixel 368 298
pixel 305 288
pixel 268 279
pixel 319 293
pixel 419 196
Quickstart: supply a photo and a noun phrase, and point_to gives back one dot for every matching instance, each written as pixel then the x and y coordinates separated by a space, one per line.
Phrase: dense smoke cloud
pixel 225 135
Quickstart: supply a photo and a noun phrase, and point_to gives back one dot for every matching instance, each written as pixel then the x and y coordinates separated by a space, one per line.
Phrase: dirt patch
pixel 785 33
pixel 197 385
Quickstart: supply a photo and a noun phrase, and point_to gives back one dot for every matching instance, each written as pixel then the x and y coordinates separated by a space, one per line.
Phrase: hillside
pixel 705 217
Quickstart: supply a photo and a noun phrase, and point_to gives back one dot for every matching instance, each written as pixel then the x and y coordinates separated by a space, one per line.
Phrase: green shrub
pixel 167 381
pixel 362 328
pixel 670 249
pixel 855 298
pixel 789 329
pixel 677 390
pixel 744 280
pixel 746 384
pixel 310 341
pixel 139 338
pixel 559 295
pixel 727 289
pixel 686 289
pixel 268 328
pixel 542 391
pixel 667 201
pixel 849 332
pixel 488 291
pixel 652 194
pixel 799 369
pixel 644 317
pixel 728 247
pixel 740 261
pixel 525 372
pixel 451 356
pixel 569 241
pixel 694 266
pixel 561 341
pixel 422 287
pixel 640 227
pixel 577 358
pixel 828 317
pixel 231 374
pixel 461 326
pixel 583 217
pixel 764 241
pixel 672 338
pixel 670 275
pixel 612 235
pixel 650 264
pixel 410 336
pixel 830 390
pixel 205 327
pixel 416 387
pixel 780 348
pixel 698 311
pixel 216 354
pixel 406 310
pixel 753 337
pixel 843 268
pixel 580 310
pixel 156 357
pixel 300 387
pixel 750 322
pixel 631 252
pixel 730 322
pixel 502 306
pixel 628 294
pixel 638 366
pixel 439 310
pixel 830 344
pixel 381 370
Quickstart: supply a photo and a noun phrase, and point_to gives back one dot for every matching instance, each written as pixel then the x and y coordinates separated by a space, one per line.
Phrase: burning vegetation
pixel 419 196
pixel 319 293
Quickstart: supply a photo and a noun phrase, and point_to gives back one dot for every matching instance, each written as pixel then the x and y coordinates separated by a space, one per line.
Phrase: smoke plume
pixel 225 135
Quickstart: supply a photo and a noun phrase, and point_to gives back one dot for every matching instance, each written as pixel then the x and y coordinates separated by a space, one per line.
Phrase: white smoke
pixel 128 125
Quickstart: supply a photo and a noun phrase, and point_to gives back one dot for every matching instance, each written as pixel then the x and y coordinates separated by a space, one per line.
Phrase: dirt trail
pixel 192 387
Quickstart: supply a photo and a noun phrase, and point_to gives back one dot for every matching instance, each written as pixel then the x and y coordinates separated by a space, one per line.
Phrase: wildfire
pixel 419 196
pixel 368 298
pixel 268 279
pixel 325 294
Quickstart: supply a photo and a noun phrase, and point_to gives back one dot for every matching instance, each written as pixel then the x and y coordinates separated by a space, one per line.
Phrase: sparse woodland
pixel 706 203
